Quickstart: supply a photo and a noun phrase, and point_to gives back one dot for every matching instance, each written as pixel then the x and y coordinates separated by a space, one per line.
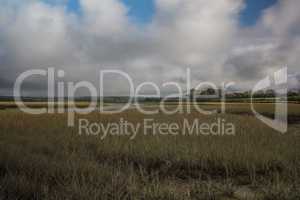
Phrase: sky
pixel 142 11
pixel 238 41
pixel 253 11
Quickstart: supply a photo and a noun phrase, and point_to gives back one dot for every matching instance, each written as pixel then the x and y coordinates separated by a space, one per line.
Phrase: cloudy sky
pixel 151 40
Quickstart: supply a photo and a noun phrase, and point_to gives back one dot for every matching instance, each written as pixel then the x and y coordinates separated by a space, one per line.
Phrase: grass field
pixel 42 158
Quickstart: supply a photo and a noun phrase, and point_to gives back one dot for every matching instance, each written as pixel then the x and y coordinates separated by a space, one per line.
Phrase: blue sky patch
pixel 142 11
pixel 74 6
pixel 253 11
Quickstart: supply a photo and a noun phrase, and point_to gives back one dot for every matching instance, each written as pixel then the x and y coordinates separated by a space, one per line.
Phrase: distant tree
pixel 246 94
pixel 208 91
pixel 293 93
pixel 259 94
pixel 270 93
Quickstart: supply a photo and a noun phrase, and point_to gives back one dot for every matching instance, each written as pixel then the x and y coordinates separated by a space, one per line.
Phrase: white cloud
pixel 105 17
pixel 271 44
pixel 203 35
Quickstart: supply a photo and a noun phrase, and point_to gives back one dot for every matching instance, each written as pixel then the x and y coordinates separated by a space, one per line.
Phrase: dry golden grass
pixel 41 158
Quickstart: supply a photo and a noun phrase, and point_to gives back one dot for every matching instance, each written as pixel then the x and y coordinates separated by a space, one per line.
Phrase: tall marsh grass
pixel 42 158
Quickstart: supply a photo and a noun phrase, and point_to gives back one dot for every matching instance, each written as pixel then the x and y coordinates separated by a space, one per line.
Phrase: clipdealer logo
pixel 57 89
pixel 151 127
pixel 280 85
